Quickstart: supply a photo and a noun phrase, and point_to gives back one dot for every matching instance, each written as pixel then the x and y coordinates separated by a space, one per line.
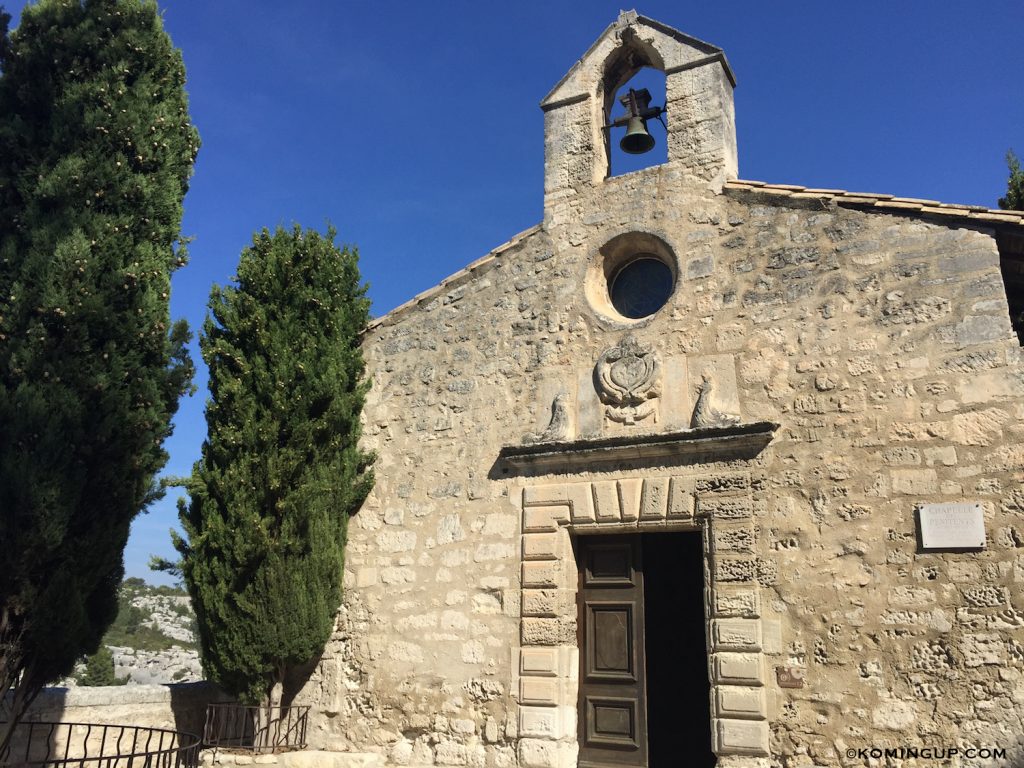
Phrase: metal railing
pixel 95 745
pixel 255 729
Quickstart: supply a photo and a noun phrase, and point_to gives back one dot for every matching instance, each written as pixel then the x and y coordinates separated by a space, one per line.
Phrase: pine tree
pixel 96 149
pixel 1014 200
pixel 99 670
pixel 281 469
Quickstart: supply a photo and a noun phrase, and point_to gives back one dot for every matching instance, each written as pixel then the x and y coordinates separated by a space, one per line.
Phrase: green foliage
pixel 96 149
pixel 99 669
pixel 1014 200
pixel 163 565
pixel 281 470
pixel 132 629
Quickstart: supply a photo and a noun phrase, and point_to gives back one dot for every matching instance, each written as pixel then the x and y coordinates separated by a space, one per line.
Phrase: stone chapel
pixel 695 472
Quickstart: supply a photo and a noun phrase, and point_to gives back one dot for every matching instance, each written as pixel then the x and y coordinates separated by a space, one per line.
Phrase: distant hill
pixel 152 640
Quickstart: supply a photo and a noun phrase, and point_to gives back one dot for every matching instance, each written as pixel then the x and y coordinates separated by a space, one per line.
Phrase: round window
pixel 641 286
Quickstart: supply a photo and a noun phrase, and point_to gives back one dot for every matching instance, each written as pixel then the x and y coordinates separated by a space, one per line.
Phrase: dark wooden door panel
pixel 612 722
pixel 613 716
pixel 612 654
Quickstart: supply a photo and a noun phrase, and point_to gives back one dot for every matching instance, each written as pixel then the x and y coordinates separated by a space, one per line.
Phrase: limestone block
pixel 629 498
pixel 945 455
pixel 539 691
pixel 538 661
pixel 749 737
pixel 581 506
pixel 740 602
pixel 396 540
pixel 539 722
pixel 914 482
pixel 771 632
pixel 545 495
pixel 983 649
pixel 992 385
pixel 894 715
pixel 541 631
pixel 676 400
pixel 654 499
pixel 402 650
pixel 540 519
pixel 589 418
pixel 979 427
pixel 987 596
pixel 490 602
pixel 738 668
pixel 498 550
pixel 737 761
pixel 680 498
pixel 733 701
pixel 317 759
pixel 981 329
pixel 366 577
pixel 736 634
pixel 542 573
pixel 725 508
pixel 538 753
pixel 541 602
pixel 541 547
pixel 735 568
pixel 472 652
pixel 606 501
pixel 732 537
pixel 500 524
pixel 722 483
pixel 912 597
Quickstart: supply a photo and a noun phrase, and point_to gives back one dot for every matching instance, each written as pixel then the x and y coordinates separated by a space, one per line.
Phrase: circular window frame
pixel 611 258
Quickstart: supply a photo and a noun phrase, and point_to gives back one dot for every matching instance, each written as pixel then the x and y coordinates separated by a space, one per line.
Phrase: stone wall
pixel 179 707
pixel 882 345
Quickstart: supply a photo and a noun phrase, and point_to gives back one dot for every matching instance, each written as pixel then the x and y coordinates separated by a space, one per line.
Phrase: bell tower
pixel 699 110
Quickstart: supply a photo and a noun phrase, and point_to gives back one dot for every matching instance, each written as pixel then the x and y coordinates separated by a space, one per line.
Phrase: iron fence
pixel 95 745
pixel 255 729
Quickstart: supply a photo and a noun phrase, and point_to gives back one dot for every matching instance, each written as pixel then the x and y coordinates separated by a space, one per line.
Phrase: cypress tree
pixel 99 670
pixel 1014 200
pixel 96 149
pixel 281 469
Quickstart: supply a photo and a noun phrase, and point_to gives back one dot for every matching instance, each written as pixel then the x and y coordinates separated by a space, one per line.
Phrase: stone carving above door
pixel 628 381
pixel 705 414
pixel 558 427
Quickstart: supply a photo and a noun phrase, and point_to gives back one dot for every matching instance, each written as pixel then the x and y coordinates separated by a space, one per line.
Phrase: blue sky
pixel 414 127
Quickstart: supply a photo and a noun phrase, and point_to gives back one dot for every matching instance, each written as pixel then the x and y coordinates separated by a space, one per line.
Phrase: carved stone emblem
pixel 627 378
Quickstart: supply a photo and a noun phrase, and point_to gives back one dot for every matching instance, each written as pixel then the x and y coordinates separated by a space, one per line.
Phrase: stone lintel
pixel 742 441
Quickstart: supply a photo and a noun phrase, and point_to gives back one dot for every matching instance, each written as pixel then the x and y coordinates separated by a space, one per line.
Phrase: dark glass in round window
pixel 641 287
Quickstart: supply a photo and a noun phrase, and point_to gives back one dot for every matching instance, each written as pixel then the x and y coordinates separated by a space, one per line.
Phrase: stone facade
pixel 826 364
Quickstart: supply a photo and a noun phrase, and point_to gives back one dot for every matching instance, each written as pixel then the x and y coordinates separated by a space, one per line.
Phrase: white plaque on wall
pixel 952 526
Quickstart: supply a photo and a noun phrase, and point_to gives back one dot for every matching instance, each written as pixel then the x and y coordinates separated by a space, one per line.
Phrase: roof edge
pixel 453 280
pixel 881 202
pixel 626 18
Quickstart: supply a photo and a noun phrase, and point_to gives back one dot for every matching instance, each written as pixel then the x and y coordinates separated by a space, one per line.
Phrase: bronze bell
pixel 637 140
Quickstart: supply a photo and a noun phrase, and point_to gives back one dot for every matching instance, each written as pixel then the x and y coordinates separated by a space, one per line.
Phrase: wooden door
pixel 613 716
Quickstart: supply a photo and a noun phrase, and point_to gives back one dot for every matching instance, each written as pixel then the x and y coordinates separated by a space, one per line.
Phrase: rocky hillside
pixel 152 640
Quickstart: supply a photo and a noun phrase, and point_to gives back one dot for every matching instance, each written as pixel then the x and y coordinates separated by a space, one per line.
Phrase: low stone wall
pixel 180 707
pixel 307 758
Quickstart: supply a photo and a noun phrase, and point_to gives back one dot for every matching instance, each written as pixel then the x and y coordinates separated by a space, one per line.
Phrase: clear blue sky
pixel 415 128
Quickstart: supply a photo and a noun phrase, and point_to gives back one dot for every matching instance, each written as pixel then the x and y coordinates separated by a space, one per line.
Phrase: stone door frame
pixel 717 500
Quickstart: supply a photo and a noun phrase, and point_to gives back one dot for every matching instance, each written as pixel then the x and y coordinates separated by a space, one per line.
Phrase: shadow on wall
pixel 177 707
pixel 296 678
